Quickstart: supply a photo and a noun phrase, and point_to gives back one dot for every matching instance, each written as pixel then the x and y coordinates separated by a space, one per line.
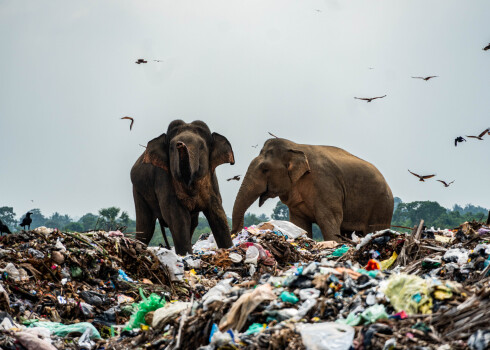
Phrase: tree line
pixel 112 218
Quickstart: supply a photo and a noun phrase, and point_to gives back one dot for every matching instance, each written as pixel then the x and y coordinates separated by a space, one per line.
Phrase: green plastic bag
pixel 409 293
pixel 255 328
pixel 339 252
pixel 63 330
pixel 370 315
pixel 289 297
pixel 152 303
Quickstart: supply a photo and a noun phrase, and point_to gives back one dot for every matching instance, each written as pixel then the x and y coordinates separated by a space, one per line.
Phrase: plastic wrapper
pixel 168 258
pixel 408 292
pixel 62 330
pixel 288 228
pixel 327 336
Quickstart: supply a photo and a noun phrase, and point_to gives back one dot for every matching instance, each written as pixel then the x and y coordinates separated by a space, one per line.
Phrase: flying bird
pixel 368 99
pixel 4 228
pixel 370 67
pixel 426 78
pixel 445 184
pixel 26 221
pixel 486 47
pixel 273 135
pixel 459 139
pixel 132 122
pixel 158 60
pixel 479 137
pixel 255 146
pixel 141 60
pixel 236 177
pixel 422 178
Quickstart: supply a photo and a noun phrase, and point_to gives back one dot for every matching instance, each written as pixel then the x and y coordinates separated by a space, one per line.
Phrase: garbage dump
pixel 274 289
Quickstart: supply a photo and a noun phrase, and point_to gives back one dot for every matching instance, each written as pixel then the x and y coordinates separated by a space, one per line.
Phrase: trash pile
pixel 274 289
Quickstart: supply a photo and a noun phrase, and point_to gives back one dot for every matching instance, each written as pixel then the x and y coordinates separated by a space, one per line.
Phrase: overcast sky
pixel 68 75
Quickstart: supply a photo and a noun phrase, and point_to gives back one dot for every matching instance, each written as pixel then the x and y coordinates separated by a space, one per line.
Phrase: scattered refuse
pixel 274 289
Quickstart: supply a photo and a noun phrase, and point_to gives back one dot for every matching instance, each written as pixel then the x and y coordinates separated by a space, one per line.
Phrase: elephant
pixel 325 185
pixel 174 180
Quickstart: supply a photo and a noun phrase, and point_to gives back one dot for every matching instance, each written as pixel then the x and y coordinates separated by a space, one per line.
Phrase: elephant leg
pixel 164 234
pixel 178 219
pixel 302 223
pixel 330 227
pixel 219 224
pixel 194 223
pixel 145 221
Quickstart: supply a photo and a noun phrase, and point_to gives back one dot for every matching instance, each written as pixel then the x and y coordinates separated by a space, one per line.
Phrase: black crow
pixel 4 228
pixel 26 221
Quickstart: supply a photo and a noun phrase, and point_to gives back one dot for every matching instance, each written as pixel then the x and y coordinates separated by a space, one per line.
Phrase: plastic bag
pixel 62 330
pixel 204 245
pixel 152 303
pixel 32 342
pixel 327 336
pixel 288 297
pixel 408 292
pixel 216 293
pixel 339 252
pixel 309 293
pixel 85 342
pixel 288 228
pixel 169 311
pixel 456 255
pixel 252 255
pixel 168 258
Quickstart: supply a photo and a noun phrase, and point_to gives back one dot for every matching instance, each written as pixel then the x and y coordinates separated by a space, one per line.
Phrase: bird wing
pixel 475 137
pixel 273 135
pixel 456 142
pixel 432 76
pixel 418 77
pixel 362 98
pixel 132 122
pixel 483 133
pixel 444 182
pixel 486 47
pixel 378 97
pixel 428 176
pixel 451 182
pixel 413 173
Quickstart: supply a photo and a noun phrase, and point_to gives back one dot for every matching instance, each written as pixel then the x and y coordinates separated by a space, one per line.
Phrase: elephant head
pixel 189 151
pixel 272 173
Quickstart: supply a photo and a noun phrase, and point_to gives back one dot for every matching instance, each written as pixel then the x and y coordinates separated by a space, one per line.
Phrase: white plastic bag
pixel 288 228
pixel 327 336
pixel 252 255
pixel 171 260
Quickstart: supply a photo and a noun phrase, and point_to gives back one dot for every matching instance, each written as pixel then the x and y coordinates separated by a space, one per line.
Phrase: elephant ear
pixel 297 164
pixel 221 152
pixel 156 152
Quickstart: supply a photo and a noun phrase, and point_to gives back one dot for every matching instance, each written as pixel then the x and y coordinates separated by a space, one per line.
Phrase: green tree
pixel 58 221
pixel 7 216
pixel 88 222
pixel 252 219
pixel 108 218
pixel 280 212
pixel 74 227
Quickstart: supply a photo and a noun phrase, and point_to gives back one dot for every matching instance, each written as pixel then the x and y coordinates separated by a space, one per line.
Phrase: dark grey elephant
pixel 319 184
pixel 174 180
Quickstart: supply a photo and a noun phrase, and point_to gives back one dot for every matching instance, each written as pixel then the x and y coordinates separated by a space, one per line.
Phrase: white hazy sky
pixel 67 75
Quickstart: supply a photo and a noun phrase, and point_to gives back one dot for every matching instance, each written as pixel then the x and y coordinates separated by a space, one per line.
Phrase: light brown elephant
pixel 320 184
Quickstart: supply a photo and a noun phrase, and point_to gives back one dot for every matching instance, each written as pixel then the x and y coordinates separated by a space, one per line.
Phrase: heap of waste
pixel 274 289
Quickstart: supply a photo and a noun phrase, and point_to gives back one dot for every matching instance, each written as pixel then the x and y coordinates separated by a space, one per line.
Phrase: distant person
pixel 26 221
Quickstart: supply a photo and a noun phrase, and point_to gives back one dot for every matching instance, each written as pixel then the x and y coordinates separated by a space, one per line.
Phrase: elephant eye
pixel 265 171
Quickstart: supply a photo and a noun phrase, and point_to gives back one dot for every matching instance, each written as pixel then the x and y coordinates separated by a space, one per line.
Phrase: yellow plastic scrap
pixel 409 293
pixel 386 264
pixel 442 293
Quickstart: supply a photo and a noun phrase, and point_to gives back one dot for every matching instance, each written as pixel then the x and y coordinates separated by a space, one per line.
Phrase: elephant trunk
pixel 188 163
pixel 250 190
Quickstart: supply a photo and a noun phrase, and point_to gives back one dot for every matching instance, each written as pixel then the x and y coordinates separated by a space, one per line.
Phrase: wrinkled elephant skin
pixel 319 184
